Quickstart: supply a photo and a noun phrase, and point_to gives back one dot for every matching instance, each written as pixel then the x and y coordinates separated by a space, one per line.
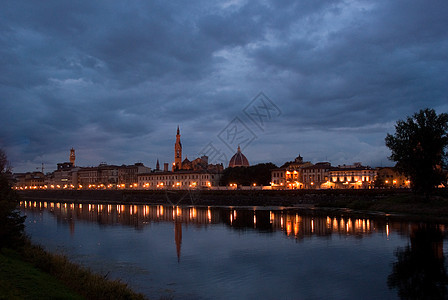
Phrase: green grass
pixel 22 280
pixel 32 273
pixel 77 278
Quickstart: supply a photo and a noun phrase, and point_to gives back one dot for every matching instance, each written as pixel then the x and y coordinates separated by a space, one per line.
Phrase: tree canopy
pixel 419 148
pixel 11 222
pixel 259 174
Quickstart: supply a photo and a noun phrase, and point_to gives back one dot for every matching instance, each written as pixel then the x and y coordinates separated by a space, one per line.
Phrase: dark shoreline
pixel 212 197
pixel 399 203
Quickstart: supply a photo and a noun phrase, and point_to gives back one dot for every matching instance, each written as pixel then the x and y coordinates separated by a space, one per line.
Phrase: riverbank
pixel 21 280
pixel 435 208
pixel 399 201
pixel 32 273
pixel 211 197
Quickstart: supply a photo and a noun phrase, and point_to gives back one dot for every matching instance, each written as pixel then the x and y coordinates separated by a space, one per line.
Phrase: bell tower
pixel 72 156
pixel 177 152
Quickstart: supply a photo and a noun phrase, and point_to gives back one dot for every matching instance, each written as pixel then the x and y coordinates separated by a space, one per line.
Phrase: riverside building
pixel 298 174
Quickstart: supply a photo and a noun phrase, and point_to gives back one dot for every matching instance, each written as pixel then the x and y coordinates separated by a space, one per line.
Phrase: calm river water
pixel 246 253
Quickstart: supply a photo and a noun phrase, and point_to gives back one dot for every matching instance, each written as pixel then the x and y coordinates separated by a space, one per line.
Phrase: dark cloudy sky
pixel 113 79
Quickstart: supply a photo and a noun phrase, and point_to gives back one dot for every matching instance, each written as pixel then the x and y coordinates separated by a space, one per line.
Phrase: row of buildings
pixel 299 174
pixel 198 173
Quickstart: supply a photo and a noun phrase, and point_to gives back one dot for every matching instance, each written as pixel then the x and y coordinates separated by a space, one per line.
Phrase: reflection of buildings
pixel 294 224
pixel 178 237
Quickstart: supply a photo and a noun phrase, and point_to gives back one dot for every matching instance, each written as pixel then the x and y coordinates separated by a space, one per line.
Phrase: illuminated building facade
pixel 128 175
pixel 183 179
pixel 389 177
pixel 289 175
pixel 98 177
pixel 65 176
pixel 298 174
pixel 317 176
pixel 30 180
pixel 278 177
pixel 354 176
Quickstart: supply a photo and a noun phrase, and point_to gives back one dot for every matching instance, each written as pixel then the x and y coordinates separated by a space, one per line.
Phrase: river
pixel 186 252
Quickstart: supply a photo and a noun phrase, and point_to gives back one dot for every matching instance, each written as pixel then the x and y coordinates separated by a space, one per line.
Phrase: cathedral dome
pixel 238 160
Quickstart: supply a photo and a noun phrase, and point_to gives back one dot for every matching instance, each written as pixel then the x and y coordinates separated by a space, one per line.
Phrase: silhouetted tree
pixel 11 223
pixel 419 148
pixel 419 272
pixel 259 174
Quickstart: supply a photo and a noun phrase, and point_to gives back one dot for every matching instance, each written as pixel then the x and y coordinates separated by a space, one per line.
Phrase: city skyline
pixel 337 74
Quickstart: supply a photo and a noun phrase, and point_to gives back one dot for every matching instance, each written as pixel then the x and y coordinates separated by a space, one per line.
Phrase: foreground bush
pixel 11 223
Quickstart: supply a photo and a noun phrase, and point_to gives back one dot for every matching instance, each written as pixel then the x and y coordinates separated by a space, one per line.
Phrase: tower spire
pixel 177 165
pixel 72 156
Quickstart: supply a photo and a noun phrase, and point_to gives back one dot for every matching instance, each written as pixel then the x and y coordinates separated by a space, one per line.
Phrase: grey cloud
pixel 109 75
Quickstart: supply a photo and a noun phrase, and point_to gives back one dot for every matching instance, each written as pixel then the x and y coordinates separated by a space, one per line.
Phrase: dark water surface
pixel 246 253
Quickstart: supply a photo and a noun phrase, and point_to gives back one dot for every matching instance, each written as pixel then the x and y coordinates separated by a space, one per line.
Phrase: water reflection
pixel 293 223
pixel 333 247
pixel 420 272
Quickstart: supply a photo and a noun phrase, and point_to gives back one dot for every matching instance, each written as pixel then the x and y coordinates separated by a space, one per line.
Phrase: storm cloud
pixel 114 79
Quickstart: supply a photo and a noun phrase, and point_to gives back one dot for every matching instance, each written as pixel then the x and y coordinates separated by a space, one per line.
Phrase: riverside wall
pixel 210 197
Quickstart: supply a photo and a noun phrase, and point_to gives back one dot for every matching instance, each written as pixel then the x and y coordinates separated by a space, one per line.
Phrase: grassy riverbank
pixel 418 207
pixel 21 280
pixel 32 273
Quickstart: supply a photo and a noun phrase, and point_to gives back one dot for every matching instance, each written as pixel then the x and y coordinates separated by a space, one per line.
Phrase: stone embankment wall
pixel 209 197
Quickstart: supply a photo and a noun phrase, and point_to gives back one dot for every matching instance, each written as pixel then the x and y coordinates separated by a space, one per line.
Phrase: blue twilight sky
pixel 114 79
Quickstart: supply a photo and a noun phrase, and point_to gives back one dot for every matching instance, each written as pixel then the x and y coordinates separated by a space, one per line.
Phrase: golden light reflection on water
pixel 292 223
pixel 209 215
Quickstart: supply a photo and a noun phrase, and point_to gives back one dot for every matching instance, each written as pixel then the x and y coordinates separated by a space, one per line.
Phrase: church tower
pixel 177 152
pixel 72 156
